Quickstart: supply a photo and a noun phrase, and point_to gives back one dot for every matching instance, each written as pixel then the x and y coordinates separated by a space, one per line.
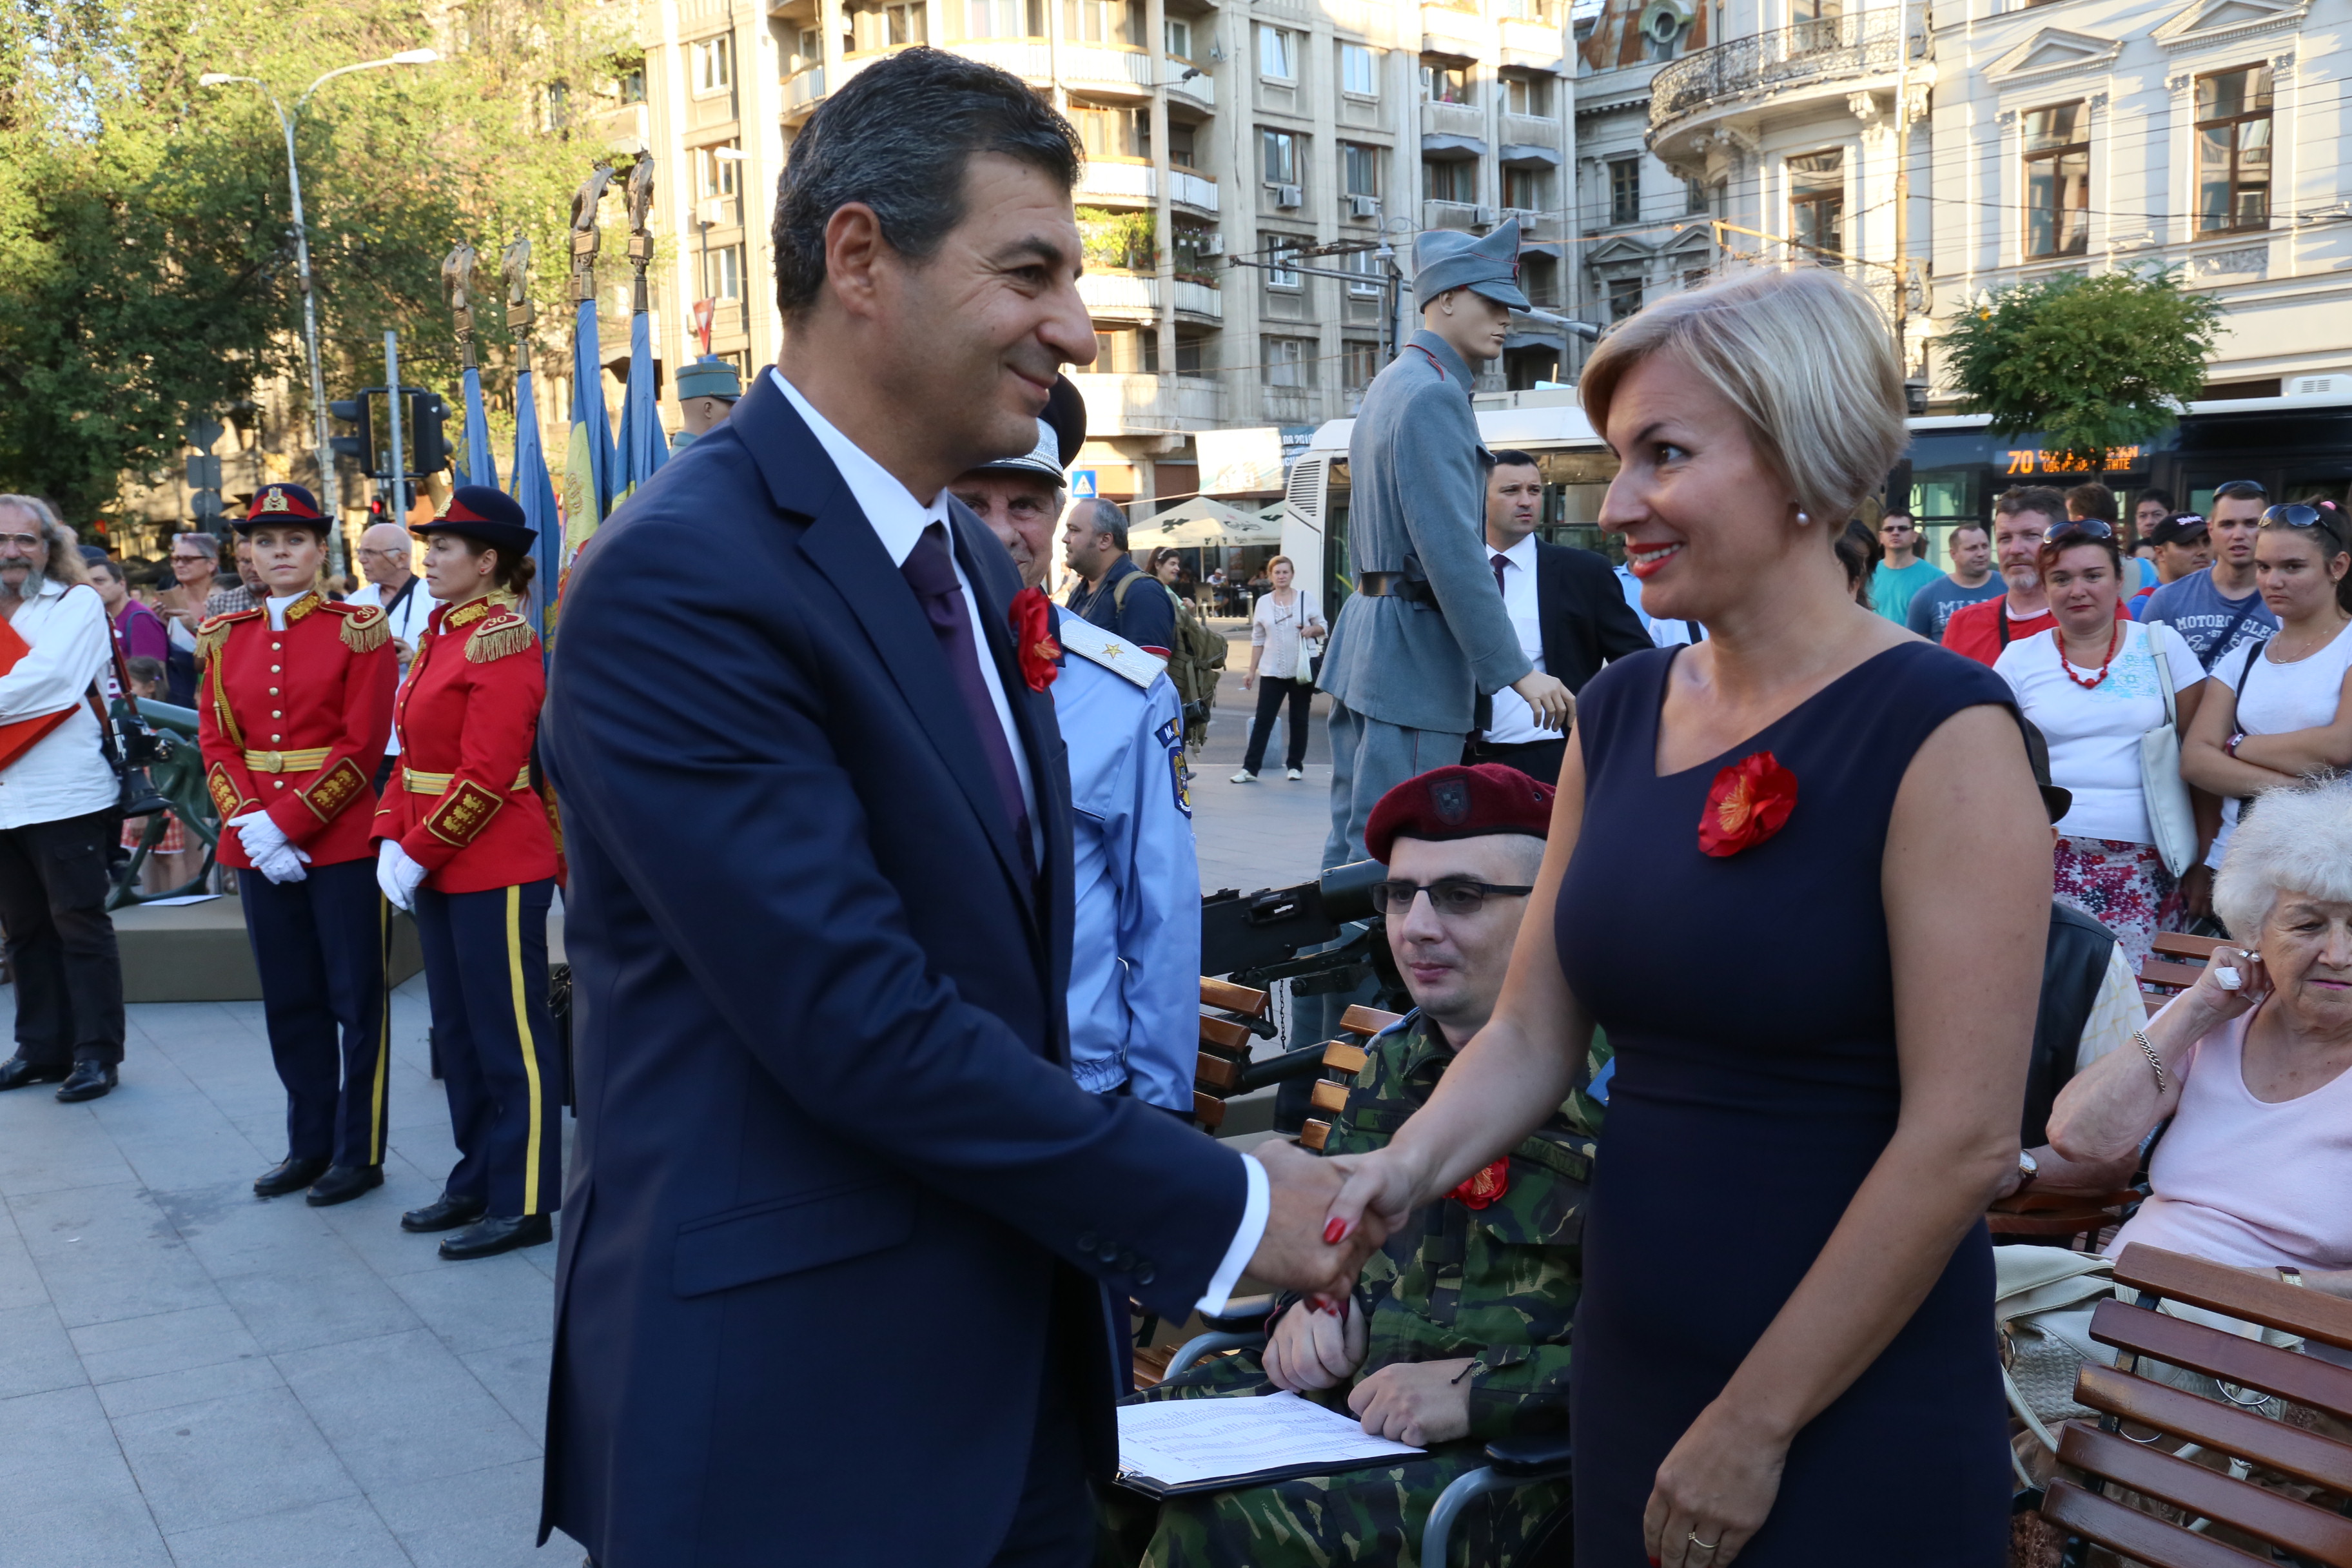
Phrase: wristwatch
pixel 2028 1167
pixel 2290 1274
pixel 2230 747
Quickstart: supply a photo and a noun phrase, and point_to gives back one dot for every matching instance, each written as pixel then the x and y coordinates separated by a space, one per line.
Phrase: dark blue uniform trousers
pixel 485 971
pixel 321 946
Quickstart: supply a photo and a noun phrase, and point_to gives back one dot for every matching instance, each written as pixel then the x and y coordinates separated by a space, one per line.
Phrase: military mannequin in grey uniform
pixel 1425 630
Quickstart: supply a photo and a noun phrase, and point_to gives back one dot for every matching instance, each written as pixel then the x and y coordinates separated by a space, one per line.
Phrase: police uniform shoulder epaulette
pixel 1115 654
pixel 213 634
pixel 496 637
pixel 365 627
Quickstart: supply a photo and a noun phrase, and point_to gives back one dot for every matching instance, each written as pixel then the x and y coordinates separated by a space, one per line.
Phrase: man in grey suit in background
pixel 1425 631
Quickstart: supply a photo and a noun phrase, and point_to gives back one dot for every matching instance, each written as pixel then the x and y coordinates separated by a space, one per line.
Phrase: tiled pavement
pixel 191 1376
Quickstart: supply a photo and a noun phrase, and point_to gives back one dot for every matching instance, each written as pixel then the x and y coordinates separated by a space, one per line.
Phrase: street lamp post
pixel 328 482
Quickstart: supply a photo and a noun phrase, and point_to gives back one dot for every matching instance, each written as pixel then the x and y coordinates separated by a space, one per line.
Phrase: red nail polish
pixel 1335 1232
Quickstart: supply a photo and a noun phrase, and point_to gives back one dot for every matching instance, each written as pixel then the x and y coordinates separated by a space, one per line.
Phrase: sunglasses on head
pixel 2326 517
pixel 2077 528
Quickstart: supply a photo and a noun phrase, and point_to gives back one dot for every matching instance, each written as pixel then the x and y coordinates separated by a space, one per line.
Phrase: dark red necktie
pixel 930 569
pixel 1498 563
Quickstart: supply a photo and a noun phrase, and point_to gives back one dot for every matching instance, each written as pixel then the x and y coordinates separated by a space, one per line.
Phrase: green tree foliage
pixel 147 257
pixel 2091 362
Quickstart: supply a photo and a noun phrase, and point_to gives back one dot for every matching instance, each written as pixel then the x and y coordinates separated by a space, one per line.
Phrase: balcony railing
pixel 1826 50
pixel 1121 404
pixel 1192 189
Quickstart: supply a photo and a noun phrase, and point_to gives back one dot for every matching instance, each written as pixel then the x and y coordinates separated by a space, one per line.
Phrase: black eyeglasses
pixel 2077 528
pixel 1447 895
pixel 2327 518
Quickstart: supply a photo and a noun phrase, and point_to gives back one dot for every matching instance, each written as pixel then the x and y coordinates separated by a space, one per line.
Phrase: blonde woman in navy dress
pixel 1800 874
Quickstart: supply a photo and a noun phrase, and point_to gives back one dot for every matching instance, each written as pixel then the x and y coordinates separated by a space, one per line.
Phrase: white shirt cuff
pixel 1252 1230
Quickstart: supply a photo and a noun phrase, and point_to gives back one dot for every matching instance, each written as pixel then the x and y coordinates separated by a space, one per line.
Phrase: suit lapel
pixel 1550 599
pixel 841 545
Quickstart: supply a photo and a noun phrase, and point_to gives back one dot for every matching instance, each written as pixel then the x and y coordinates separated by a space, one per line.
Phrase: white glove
pixel 398 874
pixel 266 846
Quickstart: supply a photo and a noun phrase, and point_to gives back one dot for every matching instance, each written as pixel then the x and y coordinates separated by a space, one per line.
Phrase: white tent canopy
pixel 1201 523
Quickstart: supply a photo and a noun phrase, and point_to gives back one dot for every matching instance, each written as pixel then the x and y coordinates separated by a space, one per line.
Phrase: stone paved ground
pixel 193 1378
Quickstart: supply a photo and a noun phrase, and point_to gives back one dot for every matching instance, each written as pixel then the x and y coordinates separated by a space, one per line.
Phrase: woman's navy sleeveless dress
pixel 1751 1003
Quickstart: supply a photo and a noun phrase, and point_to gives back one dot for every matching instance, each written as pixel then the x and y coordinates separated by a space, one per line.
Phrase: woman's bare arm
pixel 2110 1106
pixel 2205 764
pixel 2300 753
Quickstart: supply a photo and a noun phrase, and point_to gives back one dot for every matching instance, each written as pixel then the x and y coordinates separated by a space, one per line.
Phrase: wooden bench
pixel 1344 1058
pixel 2173 966
pixel 2108 1458
pixel 2064 1216
pixel 1224 1045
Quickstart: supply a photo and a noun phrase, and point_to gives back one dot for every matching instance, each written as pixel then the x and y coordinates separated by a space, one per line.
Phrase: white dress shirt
pixel 1514 722
pixel 63 774
pixel 899 519
pixel 407 623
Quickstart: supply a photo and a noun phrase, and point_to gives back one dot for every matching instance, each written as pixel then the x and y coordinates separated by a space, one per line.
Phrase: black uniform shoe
pixel 17 1072
pixel 341 1184
pixel 289 1175
pixel 445 1213
pixel 498 1233
pixel 88 1080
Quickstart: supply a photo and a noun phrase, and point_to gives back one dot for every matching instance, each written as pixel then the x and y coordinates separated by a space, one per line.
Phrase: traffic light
pixel 427 416
pixel 359 448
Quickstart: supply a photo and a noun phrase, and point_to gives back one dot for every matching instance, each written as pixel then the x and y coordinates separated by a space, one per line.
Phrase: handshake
pixel 1325 1215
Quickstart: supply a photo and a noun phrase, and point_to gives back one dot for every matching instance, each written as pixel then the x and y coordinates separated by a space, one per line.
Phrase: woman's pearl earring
pixel 1802 519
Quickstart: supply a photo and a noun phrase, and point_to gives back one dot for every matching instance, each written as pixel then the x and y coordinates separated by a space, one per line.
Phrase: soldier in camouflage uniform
pixel 1485 1282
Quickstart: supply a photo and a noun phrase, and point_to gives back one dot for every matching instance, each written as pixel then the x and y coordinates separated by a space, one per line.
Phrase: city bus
pixel 2299 446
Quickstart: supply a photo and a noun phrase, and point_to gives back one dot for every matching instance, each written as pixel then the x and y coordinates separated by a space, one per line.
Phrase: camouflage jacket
pixel 1499 1283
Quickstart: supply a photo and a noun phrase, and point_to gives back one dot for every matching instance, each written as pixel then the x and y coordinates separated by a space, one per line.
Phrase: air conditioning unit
pixel 1212 244
pixel 1487 218
pixel 1363 207
pixel 1289 196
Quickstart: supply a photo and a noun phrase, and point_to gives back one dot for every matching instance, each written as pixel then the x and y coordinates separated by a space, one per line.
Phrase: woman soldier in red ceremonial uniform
pixel 294 706
pixel 465 844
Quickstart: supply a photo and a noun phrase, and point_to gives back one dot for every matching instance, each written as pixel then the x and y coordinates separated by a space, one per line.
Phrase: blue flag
pixel 481 467
pixel 643 449
pixel 536 496
pixel 589 464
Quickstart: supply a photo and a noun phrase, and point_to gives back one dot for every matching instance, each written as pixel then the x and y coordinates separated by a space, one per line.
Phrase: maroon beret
pixel 1459 803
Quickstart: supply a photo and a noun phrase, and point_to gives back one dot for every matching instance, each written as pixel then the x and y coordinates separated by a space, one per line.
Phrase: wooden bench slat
pixel 2142 1537
pixel 1233 998
pixel 2232 1358
pixel 1227 1035
pixel 2226 1427
pixel 2181 945
pixel 1217 1072
pixel 1362 1020
pixel 2313 1314
pixel 1315 1134
pixel 1208 1110
pixel 1341 1057
pixel 2156 971
pixel 2208 1494
pixel 1329 1095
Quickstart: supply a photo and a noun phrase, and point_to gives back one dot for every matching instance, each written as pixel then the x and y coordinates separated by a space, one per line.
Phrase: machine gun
pixel 1254 939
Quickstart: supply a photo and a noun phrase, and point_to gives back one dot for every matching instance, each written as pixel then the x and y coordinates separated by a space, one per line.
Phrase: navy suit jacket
pixel 832 1180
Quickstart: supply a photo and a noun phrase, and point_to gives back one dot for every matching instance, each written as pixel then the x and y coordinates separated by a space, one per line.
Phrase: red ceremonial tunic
pixel 460 802
pixel 295 723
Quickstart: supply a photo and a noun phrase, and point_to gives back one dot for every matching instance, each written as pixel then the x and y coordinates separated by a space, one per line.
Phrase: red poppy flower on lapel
pixel 1033 634
pixel 1750 802
pixel 1484 1187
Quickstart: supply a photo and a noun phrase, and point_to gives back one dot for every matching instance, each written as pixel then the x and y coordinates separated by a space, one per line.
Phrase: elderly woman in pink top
pixel 2250 1064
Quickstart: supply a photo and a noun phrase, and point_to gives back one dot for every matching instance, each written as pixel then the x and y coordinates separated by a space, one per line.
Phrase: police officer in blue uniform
pixel 1135 961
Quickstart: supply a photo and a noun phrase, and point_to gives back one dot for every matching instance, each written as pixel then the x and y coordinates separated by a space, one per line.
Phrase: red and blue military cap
pixel 485 514
pixel 276 504
pixel 1459 802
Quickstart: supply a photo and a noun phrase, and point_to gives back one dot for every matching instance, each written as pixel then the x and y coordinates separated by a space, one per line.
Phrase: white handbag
pixel 2170 819
pixel 2043 1300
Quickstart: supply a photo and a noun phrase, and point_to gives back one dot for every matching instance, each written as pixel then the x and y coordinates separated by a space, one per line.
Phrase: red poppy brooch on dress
pixel 1750 802
pixel 1485 1186
pixel 1033 634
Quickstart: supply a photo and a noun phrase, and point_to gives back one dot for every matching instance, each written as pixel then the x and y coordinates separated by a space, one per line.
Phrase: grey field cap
pixel 1445 258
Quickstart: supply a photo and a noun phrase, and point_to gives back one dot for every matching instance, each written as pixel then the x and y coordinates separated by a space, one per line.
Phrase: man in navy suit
pixel 845 1251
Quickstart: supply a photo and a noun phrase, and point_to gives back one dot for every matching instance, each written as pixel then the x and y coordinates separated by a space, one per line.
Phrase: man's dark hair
pixel 1107 517
pixel 1957 528
pixel 2031 497
pixel 1515 459
pixel 2094 500
pixel 2161 498
pixel 899 138
pixel 2242 490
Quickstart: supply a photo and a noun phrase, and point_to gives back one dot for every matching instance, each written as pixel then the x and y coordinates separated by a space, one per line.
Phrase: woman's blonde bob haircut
pixel 2296 841
pixel 1804 357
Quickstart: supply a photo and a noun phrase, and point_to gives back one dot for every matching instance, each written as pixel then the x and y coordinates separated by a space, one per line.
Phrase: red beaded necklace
pixel 2114 643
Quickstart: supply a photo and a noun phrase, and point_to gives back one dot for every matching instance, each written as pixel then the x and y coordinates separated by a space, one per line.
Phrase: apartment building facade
pixel 1255 179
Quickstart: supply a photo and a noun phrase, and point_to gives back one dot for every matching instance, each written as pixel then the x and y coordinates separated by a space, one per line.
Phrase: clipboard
pixel 17 738
pixel 1178 1446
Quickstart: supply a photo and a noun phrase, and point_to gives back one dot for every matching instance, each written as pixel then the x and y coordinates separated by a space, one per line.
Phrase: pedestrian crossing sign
pixel 1082 484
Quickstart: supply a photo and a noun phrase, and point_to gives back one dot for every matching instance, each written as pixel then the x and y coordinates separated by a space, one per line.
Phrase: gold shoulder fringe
pixel 366 629
pixel 497 638
pixel 211 637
